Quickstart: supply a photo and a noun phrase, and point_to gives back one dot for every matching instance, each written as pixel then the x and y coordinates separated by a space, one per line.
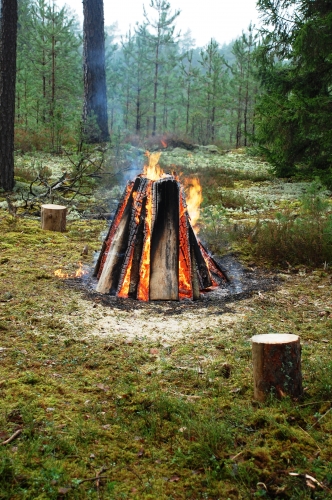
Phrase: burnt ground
pixel 243 283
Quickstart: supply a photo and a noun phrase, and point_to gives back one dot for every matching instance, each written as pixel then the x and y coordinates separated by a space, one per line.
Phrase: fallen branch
pixel 12 437
pixel 328 411
pixel 237 455
pixel 307 433
pixel 310 481
pixel 313 403
pixel 92 479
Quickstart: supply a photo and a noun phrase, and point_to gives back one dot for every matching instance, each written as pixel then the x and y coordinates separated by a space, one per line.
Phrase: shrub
pixel 303 239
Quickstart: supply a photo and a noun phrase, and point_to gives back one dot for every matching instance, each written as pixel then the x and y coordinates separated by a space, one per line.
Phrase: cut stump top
pixel 274 338
pixel 53 207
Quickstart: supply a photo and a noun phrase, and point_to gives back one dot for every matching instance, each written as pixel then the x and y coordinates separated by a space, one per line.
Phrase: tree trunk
pixel 155 94
pixel 276 365
pixel 138 111
pixel 95 100
pixel 8 31
pixel 53 217
pixel 188 108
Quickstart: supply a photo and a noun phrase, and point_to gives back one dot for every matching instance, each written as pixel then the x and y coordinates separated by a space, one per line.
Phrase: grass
pixel 110 416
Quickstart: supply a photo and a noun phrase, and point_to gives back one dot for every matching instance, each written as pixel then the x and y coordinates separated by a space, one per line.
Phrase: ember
pixel 151 251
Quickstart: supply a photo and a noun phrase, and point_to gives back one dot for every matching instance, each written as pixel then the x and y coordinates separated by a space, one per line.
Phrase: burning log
pixel 164 254
pixel 151 251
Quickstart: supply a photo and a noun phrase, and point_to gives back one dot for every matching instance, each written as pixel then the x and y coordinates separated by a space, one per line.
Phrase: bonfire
pixel 152 251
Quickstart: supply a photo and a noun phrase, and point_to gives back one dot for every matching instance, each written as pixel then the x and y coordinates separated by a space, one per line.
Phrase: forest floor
pixel 116 399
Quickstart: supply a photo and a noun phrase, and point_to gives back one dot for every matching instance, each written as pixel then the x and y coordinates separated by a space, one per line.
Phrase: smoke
pixel 131 165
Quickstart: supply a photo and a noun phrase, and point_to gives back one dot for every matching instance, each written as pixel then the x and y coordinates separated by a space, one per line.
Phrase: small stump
pixel 276 365
pixel 53 217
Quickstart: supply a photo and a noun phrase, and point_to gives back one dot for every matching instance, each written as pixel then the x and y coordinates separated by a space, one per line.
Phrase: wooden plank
pixel 113 227
pixel 203 271
pixel 111 272
pixel 164 281
pixel 135 265
pixel 185 266
pixel 136 220
pixel 214 267
pixel 194 274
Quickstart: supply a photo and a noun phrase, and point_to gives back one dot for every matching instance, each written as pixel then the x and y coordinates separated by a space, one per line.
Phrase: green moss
pixel 152 425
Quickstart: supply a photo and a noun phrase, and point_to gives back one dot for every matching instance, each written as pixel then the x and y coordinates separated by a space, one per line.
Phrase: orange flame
pixel 125 286
pixel 185 282
pixel 77 274
pixel 143 292
pixel 163 143
pixel 194 199
pixel 153 171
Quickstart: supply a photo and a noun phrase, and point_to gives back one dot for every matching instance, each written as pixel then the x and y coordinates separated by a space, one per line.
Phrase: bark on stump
pixel 53 217
pixel 276 365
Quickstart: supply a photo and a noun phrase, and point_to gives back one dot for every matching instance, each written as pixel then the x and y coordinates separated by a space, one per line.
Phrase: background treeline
pixel 157 83
pixel 271 89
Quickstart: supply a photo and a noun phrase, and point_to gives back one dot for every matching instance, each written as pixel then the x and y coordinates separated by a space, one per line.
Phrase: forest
pixel 270 90
pixel 107 389
pixel 205 94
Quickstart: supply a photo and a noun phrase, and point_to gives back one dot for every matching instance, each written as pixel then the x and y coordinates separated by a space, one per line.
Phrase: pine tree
pixel 160 36
pixel 48 93
pixel 293 124
pixel 245 84
pixel 188 77
pixel 213 81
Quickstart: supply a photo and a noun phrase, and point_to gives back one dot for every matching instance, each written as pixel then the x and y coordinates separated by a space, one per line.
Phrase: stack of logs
pixel 151 251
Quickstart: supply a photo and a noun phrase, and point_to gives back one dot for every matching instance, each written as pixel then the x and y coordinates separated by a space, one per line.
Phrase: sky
pixel 223 20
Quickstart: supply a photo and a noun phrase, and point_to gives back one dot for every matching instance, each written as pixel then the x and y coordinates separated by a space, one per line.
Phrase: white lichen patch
pixel 231 160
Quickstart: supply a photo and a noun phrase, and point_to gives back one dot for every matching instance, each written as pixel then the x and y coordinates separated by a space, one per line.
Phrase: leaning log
pixel 110 275
pixel 164 257
pixel 53 217
pixel 151 251
pixel 276 365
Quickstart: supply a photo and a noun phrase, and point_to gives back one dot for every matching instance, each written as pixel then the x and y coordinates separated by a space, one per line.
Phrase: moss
pixel 153 425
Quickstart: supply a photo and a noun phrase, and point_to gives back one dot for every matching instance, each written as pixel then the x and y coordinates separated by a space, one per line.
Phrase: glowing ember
pixel 153 171
pixel 137 208
pixel 193 199
pixel 144 279
pixel 77 274
pixel 185 285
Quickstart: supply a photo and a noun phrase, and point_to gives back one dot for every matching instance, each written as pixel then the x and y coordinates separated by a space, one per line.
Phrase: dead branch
pixel 12 437
pixel 96 478
pixel 328 411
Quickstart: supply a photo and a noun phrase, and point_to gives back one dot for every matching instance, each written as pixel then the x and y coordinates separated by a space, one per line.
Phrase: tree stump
pixel 276 365
pixel 53 218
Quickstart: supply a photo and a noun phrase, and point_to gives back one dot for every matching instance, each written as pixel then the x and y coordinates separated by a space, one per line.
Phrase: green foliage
pixel 48 89
pixel 305 239
pixel 293 126
pixel 157 83
pixel 108 411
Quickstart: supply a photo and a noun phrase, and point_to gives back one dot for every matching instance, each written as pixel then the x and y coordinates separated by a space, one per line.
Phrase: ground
pixel 120 399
